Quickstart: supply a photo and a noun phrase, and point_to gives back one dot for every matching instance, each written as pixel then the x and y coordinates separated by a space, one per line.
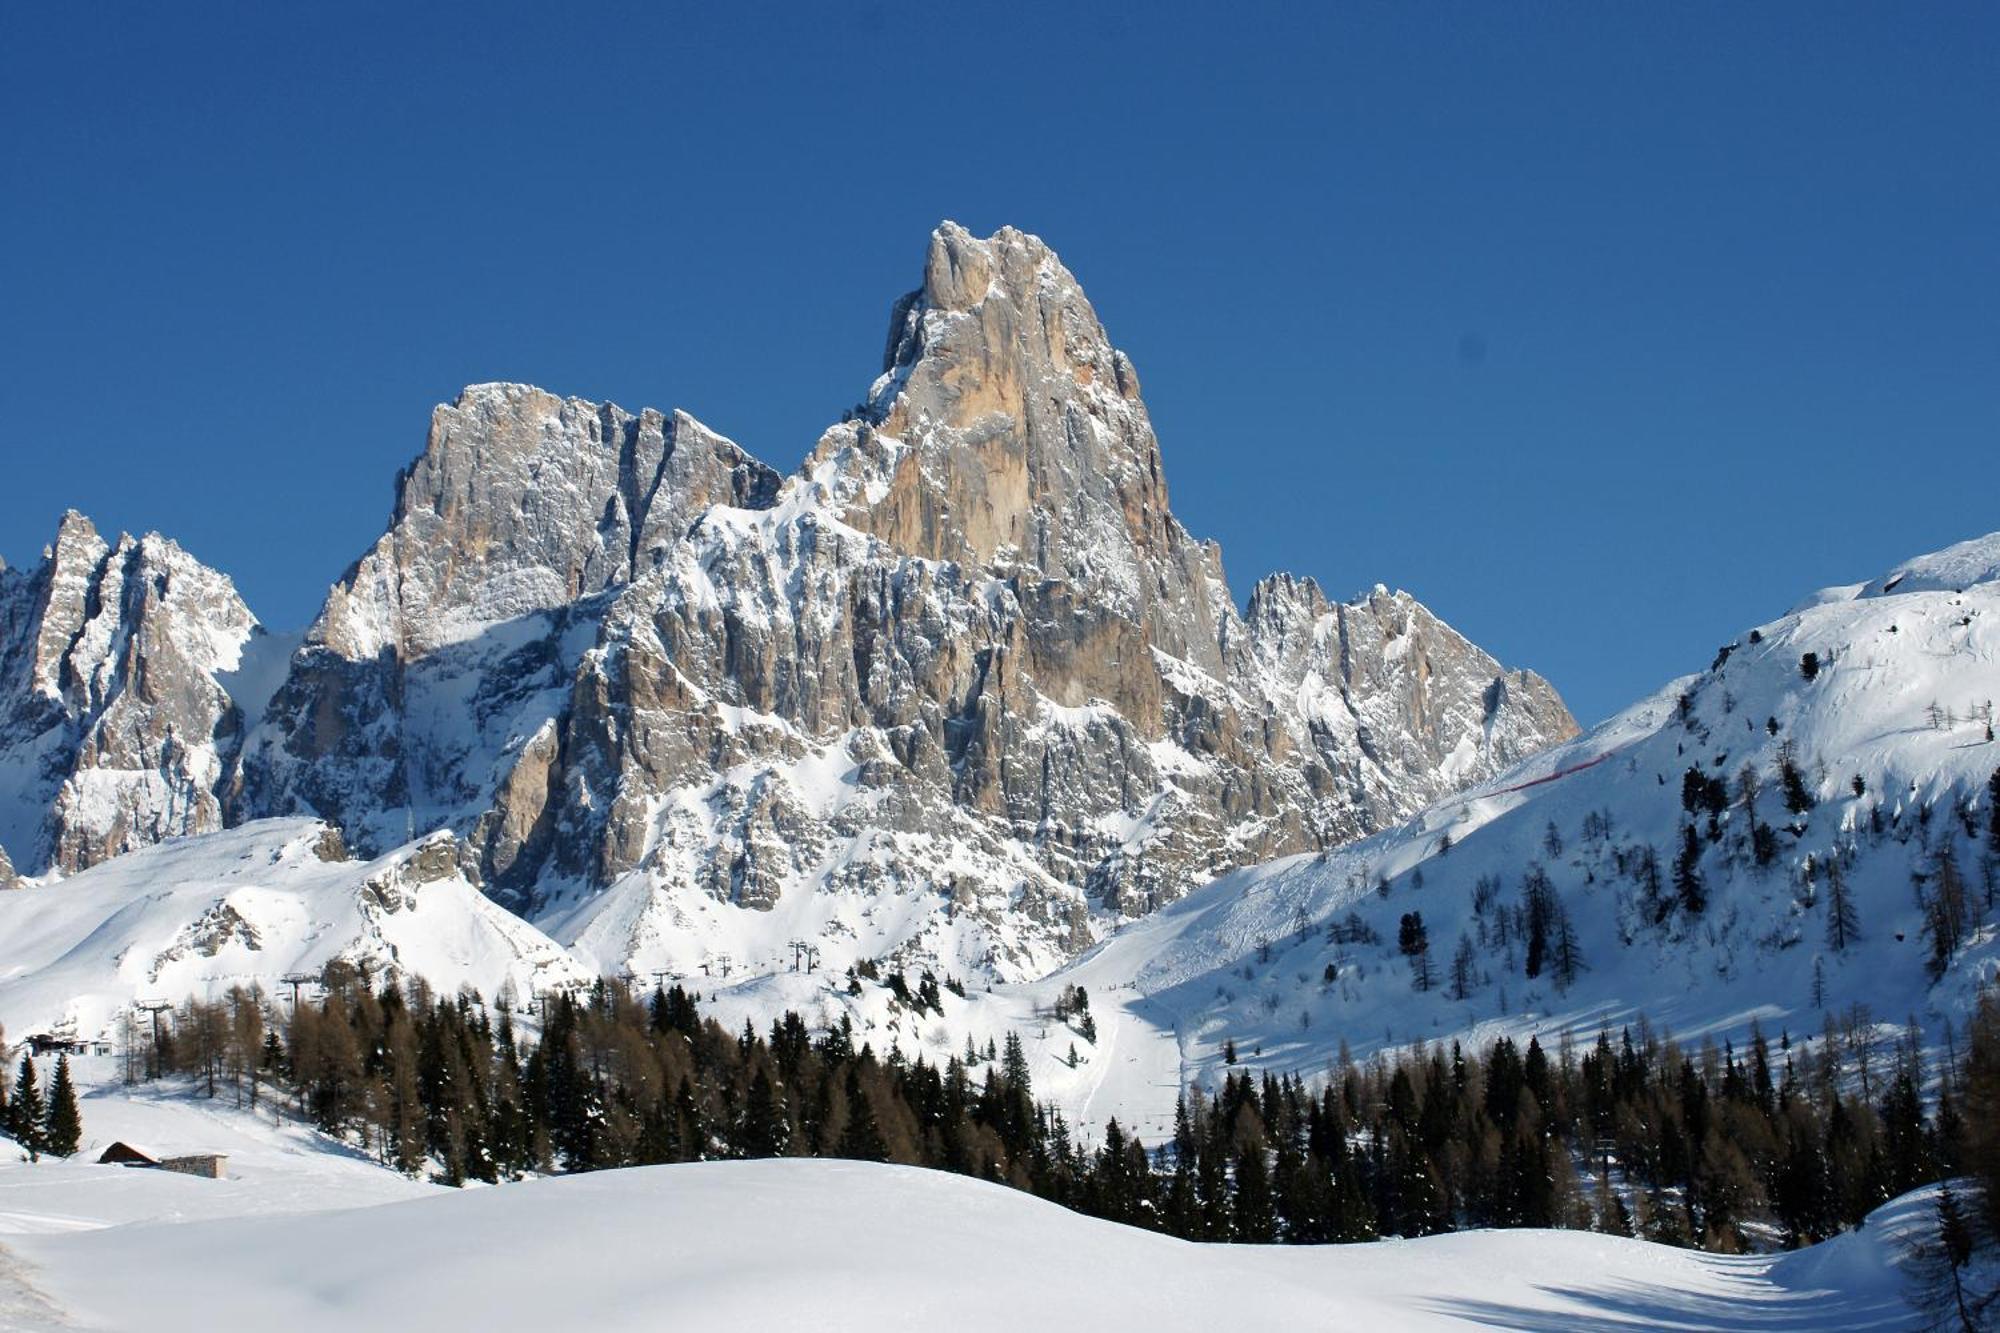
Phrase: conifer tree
pixel 1464 969
pixel 1797 799
pixel 1254 1214
pixel 1688 888
pixel 26 1111
pixel 765 1131
pixel 1538 908
pixel 62 1130
pixel 1648 874
pixel 1843 923
pixel 1568 959
pixel 861 1139
pixel 1993 812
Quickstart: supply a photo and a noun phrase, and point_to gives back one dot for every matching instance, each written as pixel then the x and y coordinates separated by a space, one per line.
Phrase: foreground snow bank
pixel 844 1245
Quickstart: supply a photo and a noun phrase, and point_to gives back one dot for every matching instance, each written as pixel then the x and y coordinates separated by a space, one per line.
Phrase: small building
pixel 124 1154
pixel 58 1043
pixel 208 1165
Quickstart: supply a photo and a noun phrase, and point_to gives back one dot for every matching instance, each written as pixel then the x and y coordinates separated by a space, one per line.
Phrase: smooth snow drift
pixel 846 1245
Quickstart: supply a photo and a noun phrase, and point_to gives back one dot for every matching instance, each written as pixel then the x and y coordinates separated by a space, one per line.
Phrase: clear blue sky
pixel 1607 329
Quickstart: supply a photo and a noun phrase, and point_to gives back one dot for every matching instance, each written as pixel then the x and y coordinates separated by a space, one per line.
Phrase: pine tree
pixel 1464 969
pixel 26 1112
pixel 1568 952
pixel 1797 799
pixel 1659 906
pixel 1993 812
pixel 1538 909
pixel 1415 943
pixel 1940 1269
pixel 1254 1214
pixel 1688 887
pixel 1843 923
pixel 765 1130
pixel 62 1130
pixel 862 1138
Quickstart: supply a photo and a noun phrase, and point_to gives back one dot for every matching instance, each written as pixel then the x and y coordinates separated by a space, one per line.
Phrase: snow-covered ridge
pixel 1879 703
pixel 246 907
pixel 1954 569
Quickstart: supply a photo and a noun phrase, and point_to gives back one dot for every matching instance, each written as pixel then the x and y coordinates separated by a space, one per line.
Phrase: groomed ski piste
pixel 306 1235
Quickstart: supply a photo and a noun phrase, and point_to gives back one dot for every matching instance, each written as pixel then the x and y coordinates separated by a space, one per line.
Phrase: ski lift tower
pixel 154 1008
pixel 296 980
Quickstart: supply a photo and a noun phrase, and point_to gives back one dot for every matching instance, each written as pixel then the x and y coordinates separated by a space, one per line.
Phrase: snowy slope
pixel 843 1245
pixel 1246 957
pixel 197 916
pixel 276 1165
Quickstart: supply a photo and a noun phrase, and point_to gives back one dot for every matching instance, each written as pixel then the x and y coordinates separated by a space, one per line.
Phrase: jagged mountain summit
pixel 117 727
pixel 960 687
pixel 963 670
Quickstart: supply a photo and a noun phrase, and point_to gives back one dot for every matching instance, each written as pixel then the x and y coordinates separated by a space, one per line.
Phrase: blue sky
pixel 1605 329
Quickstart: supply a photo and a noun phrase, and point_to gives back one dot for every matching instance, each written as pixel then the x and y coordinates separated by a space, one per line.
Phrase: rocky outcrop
pixel 115 728
pixel 463 625
pixel 964 657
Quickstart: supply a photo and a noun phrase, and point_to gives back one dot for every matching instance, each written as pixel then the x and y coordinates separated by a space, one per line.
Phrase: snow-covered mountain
pixel 1782 837
pixel 248 906
pixel 117 723
pixel 960 693
pixel 960 689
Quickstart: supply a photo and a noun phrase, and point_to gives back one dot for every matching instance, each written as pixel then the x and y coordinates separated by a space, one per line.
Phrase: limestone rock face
pixel 961 688
pixel 116 726
pixel 463 625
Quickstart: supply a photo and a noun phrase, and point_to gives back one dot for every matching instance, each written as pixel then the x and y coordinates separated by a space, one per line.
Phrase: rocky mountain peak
pixel 962 688
pixel 114 728
pixel 522 502
pixel 1007 432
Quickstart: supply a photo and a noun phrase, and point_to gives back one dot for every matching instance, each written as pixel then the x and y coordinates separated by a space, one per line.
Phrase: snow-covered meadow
pixel 306 1236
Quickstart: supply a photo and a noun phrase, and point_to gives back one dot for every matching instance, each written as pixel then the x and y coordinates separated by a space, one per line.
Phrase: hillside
pixel 1876 694
pixel 248 907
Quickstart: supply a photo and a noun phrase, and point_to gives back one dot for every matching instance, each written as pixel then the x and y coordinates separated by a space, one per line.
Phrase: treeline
pixel 1630 1133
